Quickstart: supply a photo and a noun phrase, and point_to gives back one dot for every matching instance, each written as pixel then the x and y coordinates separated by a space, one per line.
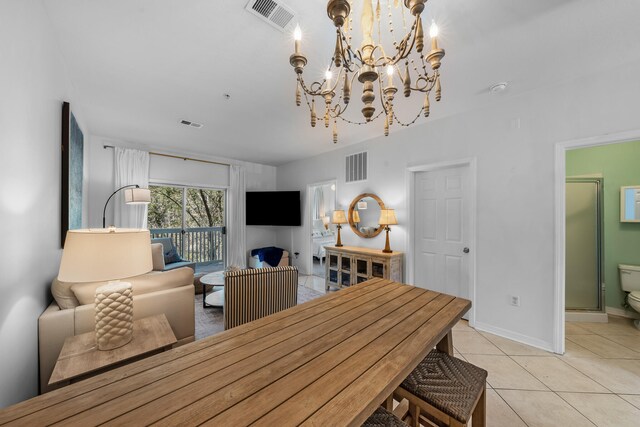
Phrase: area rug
pixel 210 321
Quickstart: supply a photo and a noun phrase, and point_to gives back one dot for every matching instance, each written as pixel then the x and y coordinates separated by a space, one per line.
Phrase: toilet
pixel 630 282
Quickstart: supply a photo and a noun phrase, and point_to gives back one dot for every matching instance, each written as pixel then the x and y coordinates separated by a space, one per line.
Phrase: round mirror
pixel 364 214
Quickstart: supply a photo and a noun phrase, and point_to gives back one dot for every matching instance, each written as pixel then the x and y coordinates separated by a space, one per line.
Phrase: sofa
pixel 254 293
pixel 72 312
pixel 171 259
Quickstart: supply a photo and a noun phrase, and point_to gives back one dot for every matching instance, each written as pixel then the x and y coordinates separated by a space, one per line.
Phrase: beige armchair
pixel 72 312
pixel 254 293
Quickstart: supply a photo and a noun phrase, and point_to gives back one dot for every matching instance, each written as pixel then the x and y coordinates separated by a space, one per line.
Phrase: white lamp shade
pixel 93 255
pixel 387 217
pixel 355 216
pixel 325 220
pixel 137 196
pixel 339 217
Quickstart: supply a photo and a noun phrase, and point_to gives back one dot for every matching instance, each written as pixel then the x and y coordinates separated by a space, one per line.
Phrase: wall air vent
pixel 275 13
pixel 191 124
pixel 356 167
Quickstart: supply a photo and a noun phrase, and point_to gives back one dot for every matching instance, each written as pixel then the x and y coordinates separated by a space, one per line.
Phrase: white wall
pixel 33 85
pixel 515 229
pixel 175 171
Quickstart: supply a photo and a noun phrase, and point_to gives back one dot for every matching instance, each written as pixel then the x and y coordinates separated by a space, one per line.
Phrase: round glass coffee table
pixel 215 298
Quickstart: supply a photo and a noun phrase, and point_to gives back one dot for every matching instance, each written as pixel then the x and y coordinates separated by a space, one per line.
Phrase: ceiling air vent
pixel 356 167
pixel 275 13
pixel 191 124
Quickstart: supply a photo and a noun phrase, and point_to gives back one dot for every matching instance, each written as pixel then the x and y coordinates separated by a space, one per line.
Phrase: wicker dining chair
pixel 445 390
pixel 383 418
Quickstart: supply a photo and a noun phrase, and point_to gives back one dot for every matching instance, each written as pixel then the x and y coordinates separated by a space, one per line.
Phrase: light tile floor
pixel 595 383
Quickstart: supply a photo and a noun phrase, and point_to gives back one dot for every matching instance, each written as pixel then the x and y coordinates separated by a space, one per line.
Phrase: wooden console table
pixel 80 358
pixel 350 265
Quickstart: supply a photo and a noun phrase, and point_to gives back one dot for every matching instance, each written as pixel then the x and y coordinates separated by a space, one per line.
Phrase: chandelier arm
pixel 337 111
pixel 403 52
pixel 310 90
pixel 428 85
pixel 352 55
pixel 404 42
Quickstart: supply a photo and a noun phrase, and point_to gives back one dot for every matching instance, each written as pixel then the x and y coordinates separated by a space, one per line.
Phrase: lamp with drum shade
pixel 339 218
pixel 387 218
pixel 95 255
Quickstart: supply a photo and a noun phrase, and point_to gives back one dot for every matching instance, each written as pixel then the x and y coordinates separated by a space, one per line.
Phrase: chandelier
pixel 408 59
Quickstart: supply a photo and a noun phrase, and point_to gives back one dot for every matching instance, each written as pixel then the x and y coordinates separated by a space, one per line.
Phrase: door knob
pixel 465 250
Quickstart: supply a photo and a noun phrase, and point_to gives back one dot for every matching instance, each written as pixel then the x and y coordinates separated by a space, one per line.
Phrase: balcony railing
pixel 199 245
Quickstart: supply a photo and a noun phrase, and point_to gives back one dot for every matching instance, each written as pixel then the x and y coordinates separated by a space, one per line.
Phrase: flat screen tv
pixel 273 208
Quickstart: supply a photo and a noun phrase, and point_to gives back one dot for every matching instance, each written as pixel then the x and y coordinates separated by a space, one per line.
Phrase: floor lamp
pixel 133 195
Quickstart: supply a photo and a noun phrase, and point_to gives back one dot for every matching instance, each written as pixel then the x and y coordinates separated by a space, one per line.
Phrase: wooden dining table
pixel 328 362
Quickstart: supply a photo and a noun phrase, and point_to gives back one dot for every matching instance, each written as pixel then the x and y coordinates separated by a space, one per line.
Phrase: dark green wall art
pixel 72 172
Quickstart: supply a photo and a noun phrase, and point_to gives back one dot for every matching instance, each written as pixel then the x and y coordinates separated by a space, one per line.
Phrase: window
pixel 194 218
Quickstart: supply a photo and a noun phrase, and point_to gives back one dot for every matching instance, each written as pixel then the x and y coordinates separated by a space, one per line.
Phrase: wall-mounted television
pixel 273 208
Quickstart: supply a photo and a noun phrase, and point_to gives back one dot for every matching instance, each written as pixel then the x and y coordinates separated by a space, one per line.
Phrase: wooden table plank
pixel 389 372
pixel 207 377
pixel 262 388
pixel 192 367
pixel 327 362
pixel 249 331
pixel 303 404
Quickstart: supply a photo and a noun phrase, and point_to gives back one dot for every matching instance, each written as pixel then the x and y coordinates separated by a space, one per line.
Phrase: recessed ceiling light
pixel 226 96
pixel 498 87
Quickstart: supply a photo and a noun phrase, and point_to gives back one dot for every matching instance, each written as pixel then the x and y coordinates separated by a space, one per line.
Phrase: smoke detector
pixel 498 87
pixel 191 124
pixel 275 13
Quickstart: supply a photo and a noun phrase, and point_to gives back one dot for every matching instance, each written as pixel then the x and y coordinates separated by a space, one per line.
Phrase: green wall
pixel 619 164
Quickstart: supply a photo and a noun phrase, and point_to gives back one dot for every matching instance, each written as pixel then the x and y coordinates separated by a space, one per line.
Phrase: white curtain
pixel 236 219
pixel 131 167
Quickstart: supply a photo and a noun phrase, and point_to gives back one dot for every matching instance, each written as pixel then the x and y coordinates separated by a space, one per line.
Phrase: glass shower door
pixel 583 257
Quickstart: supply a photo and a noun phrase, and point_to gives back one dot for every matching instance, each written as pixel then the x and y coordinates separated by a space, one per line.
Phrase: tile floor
pixel 595 383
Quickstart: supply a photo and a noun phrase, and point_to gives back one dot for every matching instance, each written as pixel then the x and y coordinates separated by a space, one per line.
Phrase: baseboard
pixel 585 316
pixel 514 336
pixel 623 313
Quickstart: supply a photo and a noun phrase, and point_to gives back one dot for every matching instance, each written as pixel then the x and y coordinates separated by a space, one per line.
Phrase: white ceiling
pixel 139 66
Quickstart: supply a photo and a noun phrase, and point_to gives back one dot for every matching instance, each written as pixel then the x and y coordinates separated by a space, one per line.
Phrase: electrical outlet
pixel 514 300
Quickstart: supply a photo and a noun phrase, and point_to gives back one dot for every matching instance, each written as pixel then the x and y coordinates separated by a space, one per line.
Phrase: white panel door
pixel 442 219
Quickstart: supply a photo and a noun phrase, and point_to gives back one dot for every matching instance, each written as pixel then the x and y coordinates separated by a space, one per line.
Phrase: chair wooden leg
pixel 388 404
pixel 402 409
pixel 414 411
pixel 479 417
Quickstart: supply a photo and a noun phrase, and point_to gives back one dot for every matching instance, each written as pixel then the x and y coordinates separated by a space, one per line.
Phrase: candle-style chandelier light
pixel 408 58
